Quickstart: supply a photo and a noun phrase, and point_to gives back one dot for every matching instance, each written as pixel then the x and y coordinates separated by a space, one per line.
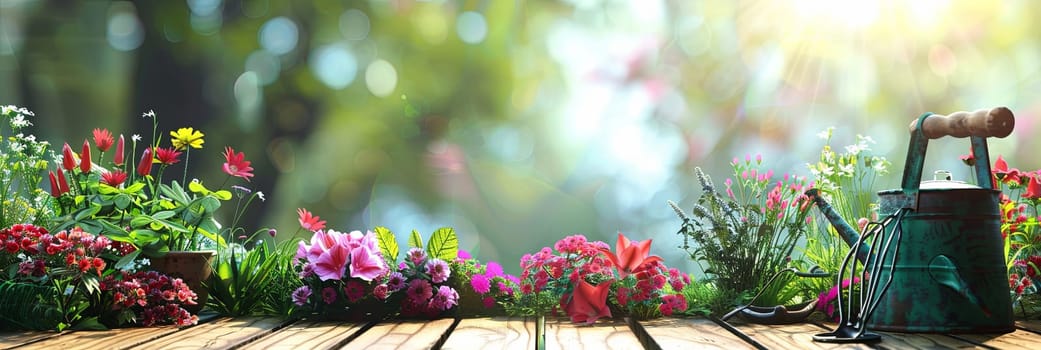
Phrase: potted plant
pixel 167 219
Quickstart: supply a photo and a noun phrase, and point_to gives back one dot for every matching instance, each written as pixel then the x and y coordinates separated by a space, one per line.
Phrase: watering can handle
pixel 996 122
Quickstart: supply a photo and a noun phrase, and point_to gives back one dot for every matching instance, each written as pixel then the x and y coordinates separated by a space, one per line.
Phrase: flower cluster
pixel 425 280
pixel 24 159
pixel 338 268
pixel 39 251
pixel 130 201
pixel 488 283
pixel 1019 203
pixel 149 298
pixel 586 280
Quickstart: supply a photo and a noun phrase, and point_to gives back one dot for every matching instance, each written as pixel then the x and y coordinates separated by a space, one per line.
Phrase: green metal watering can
pixel 935 263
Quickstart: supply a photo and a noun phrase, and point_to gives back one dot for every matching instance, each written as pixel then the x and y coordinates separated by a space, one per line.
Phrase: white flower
pixel 19 121
pixel 261 195
pixel 149 114
pixel 854 149
pixel 826 133
pixel 135 138
pixel 846 170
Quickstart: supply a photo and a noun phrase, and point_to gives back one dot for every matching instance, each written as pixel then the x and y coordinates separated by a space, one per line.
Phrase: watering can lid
pixel 939 185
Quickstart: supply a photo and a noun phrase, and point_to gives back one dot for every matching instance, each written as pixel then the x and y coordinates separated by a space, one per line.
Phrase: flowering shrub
pixel 586 280
pixel 129 202
pixel 1019 203
pixel 338 269
pixel 77 266
pixel 488 287
pixel 748 234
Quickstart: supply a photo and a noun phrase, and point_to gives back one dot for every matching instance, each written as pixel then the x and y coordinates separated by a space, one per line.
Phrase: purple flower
pixel 416 256
pixel 328 295
pixel 396 281
pixel 300 295
pixel 419 291
pixel 307 271
pixel 480 284
pixel 438 270
pixel 445 298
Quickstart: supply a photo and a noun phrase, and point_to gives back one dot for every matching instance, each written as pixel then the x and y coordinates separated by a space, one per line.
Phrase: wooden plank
pixel 219 334
pixel 607 334
pixel 120 338
pixel 13 339
pixel 402 335
pixel 892 340
pixel 492 333
pixel 308 335
pixel 1030 325
pixel 672 333
pixel 1020 339
pixel 792 336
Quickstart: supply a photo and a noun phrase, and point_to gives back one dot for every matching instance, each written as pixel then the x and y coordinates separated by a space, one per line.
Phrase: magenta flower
pixel 416 256
pixel 480 284
pixel 328 295
pixel 300 295
pixel 438 270
pixel 396 281
pixel 419 291
pixel 381 292
pixel 445 298
pixel 332 263
pixel 366 264
pixel 493 269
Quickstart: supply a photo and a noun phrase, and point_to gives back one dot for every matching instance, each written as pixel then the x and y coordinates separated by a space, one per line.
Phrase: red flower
pixel 236 164
pixel 631 258
pixel 145 166
pixel 55 190
pixel 85 157
pixel 118 158
pixel 62 184
pixel 587 303
pixel 968 159
pixel 308 221
pixel 1033 187
pixel 114 178
pixel 167 155
pixel 67 161
pixel 1003 173
pixel 102 139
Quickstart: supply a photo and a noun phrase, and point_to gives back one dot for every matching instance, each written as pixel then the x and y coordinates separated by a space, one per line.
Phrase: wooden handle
pixel 997 122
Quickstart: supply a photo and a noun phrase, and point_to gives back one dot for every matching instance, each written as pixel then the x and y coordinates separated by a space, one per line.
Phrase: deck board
pixel 223 333
pixel 609 334
pixel 792 336
pixel 308 335
pixel 121 338
pixel 402 335
pixel 673 333
pixel 492 333
pixel 892 340
pixel 1020 339
pixel 12 339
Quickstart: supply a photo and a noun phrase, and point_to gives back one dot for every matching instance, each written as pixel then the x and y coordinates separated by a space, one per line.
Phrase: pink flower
pixel 438 270
pixel 416 256
pixel 1033 186
pixel 366 264
pixel 328 295
pixel 396 281
pixel 300 295
pixel 480 284
pixel 308 221
pixel 445 298
pixel 236 164
pixel 381 292
pixel 117 159
pixel 631 257
pixel 489 302
pixel 419 291
pixel 493 269
pixel 332 263
pixel 102 139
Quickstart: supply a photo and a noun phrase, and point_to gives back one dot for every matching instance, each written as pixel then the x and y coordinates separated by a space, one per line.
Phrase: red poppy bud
pixel 85 157
pixel 145 166
pixel 62 184
pixel 55 190
pixel 67 161
pixel 118 159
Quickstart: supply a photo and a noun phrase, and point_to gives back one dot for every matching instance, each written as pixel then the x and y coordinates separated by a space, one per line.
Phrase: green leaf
pixel 388 244
pixel 414 240
pixel 122 201
pixel 210 204
pixel 223 195
pixel 126 260
pixel 197 187
pixel 136 187
pixel 165 214
pixel 87 212
pixel 443 244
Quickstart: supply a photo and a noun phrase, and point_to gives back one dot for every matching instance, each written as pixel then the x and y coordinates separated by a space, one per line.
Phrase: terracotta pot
pixel 192 267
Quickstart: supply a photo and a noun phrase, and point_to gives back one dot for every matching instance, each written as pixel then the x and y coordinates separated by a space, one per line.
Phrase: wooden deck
pixel 494 333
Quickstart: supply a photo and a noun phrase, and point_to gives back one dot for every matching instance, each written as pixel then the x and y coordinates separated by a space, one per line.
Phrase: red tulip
pixel 118 159
pixel 62 184
pixel 67 160
pixel 631 257
pixel 145 166
pixel 85 157
pixel 55 190
pixel 1003 173
pixel 1033 186
pixel 587 303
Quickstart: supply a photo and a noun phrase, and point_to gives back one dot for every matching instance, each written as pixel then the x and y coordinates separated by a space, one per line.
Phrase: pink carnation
pixel 480 284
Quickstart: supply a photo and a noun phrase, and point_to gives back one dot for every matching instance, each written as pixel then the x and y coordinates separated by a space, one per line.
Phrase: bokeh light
pixel 279 35
pixel 471 27
pixel 381 78
pixel 334 65
pixel 124 28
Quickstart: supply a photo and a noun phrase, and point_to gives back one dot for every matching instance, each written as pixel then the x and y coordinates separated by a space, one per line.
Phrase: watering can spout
pixel 847 232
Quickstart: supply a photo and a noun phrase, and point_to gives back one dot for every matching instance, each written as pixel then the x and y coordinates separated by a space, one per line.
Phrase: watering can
pixel 937 263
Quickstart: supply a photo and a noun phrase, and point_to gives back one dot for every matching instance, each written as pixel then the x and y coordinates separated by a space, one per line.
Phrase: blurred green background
pixel 518 122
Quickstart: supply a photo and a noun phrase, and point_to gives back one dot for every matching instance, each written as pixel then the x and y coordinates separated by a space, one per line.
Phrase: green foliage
pixel 414 240
pixel 443 244
pixel 388 244
pixel 253 282
pixel 749 234
pixel 18 299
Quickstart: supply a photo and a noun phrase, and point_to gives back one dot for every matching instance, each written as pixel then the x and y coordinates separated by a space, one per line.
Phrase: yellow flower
pixel 184 137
